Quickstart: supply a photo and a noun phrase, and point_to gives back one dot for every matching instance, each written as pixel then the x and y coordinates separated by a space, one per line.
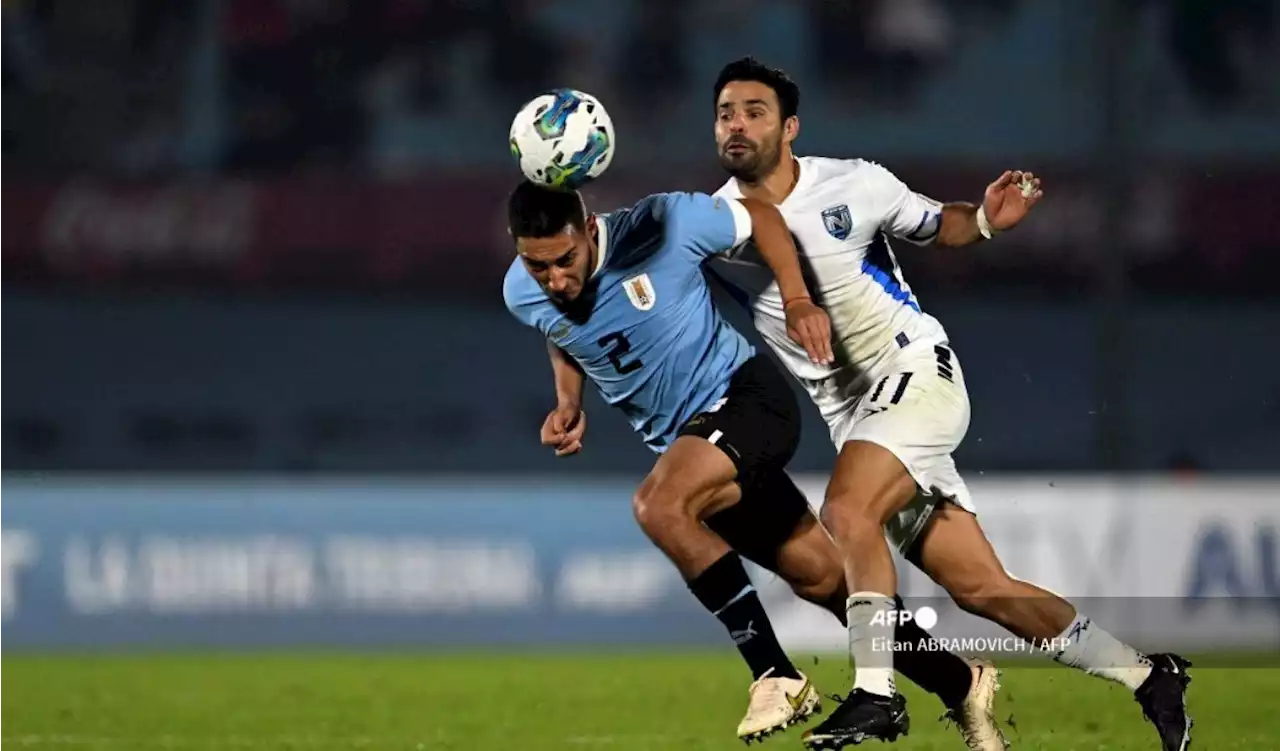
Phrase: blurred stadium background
pixel 262 391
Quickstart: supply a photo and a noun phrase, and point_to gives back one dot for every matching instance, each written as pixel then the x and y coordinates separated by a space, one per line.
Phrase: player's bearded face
pixel 748 159
pixel 748 130
pixel 559 263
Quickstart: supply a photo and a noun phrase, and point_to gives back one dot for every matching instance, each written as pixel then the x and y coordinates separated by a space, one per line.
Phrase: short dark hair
pixel 537 211
pixel 751 69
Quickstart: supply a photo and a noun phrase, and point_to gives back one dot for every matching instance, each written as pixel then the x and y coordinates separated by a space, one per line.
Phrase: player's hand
pixel 1010 197
pixel 564 428
pixel 810 327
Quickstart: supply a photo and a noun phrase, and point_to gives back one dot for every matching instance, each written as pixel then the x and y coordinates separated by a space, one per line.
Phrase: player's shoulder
pixel 520 292
pixel 826 169
pixel 650 207
pixel 672 202
pixel 637 224
pixel 659 209
pixel 858 179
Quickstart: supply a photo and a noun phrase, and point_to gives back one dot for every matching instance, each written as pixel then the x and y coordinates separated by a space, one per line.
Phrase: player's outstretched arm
pixel 567 423
pixel 776 246
pixel 1005 203
pixel 807 324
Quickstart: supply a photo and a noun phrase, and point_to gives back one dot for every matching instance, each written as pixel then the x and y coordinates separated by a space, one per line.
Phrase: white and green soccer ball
pixel 562 139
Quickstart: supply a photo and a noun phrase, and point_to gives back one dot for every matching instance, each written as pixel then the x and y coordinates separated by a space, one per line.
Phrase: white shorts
pixel 918 409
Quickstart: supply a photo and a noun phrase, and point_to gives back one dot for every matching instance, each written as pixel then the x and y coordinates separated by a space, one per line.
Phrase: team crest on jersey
pixel 838 221
pixel 640 291
pixel 559 331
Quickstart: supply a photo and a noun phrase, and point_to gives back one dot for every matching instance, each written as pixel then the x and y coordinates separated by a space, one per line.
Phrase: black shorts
pixel 758 425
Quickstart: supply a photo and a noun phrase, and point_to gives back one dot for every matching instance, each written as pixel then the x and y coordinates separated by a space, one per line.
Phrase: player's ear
pixel 790 128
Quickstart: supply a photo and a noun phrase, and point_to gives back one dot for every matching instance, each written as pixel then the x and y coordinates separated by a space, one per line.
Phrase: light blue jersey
pixel 654 343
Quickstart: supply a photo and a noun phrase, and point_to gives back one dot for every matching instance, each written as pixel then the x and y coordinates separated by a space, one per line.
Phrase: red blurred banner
pixel 447 233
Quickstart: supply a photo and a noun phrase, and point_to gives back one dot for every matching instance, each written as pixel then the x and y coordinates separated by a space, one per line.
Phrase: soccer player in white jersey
pixel 896 404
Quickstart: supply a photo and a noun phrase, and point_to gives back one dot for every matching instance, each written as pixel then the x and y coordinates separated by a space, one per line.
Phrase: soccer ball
pixel 562 139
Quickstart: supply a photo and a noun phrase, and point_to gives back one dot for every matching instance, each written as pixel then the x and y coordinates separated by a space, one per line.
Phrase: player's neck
pixel 775 186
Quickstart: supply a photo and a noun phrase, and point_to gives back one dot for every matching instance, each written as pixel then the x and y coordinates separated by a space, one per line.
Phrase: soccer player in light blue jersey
pixel 622 300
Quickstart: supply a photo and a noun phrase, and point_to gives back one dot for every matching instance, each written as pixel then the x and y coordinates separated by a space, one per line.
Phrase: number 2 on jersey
pixel 620 347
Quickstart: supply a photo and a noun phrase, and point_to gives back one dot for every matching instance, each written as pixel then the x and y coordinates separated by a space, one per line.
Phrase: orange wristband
pixel 787 303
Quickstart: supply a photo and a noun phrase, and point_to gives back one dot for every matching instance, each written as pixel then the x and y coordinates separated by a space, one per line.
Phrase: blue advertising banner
pixel 263 562
pixel 105 562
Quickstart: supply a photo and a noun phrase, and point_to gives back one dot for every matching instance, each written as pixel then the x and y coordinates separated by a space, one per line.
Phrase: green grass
pixel 666 700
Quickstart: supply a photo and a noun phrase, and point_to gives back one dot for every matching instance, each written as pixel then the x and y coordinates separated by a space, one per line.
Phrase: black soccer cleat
pixel 1163 696
pixel 861 716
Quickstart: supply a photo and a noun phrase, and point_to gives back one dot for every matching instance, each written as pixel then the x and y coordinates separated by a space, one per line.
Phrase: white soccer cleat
pixel 976 717
pixel 777 703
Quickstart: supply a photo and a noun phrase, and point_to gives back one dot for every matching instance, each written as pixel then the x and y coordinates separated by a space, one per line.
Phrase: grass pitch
pixel 529 702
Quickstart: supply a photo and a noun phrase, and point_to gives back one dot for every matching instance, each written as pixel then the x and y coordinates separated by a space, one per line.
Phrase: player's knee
pixel 655 507
pixel 645 511
pixel 846 517
pixel 833 518
pixel 869 486
pixel 863 511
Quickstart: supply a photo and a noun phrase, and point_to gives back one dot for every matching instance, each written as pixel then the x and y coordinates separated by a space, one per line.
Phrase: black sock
pixel 940 673
pixel 725 590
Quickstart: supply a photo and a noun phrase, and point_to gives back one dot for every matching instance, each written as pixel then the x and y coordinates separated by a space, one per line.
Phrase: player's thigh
pixel 896 441
pixel 944 484
pixel 690 478
pixel 869 481
pixel 952 549
pixel 753 431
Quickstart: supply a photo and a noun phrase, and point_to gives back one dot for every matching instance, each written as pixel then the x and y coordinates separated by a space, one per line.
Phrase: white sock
pixel 871 644
pixel 1086 646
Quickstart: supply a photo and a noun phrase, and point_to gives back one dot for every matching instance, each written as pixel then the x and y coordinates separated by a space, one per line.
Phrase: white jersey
pixel 842 212
pixel 896 382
